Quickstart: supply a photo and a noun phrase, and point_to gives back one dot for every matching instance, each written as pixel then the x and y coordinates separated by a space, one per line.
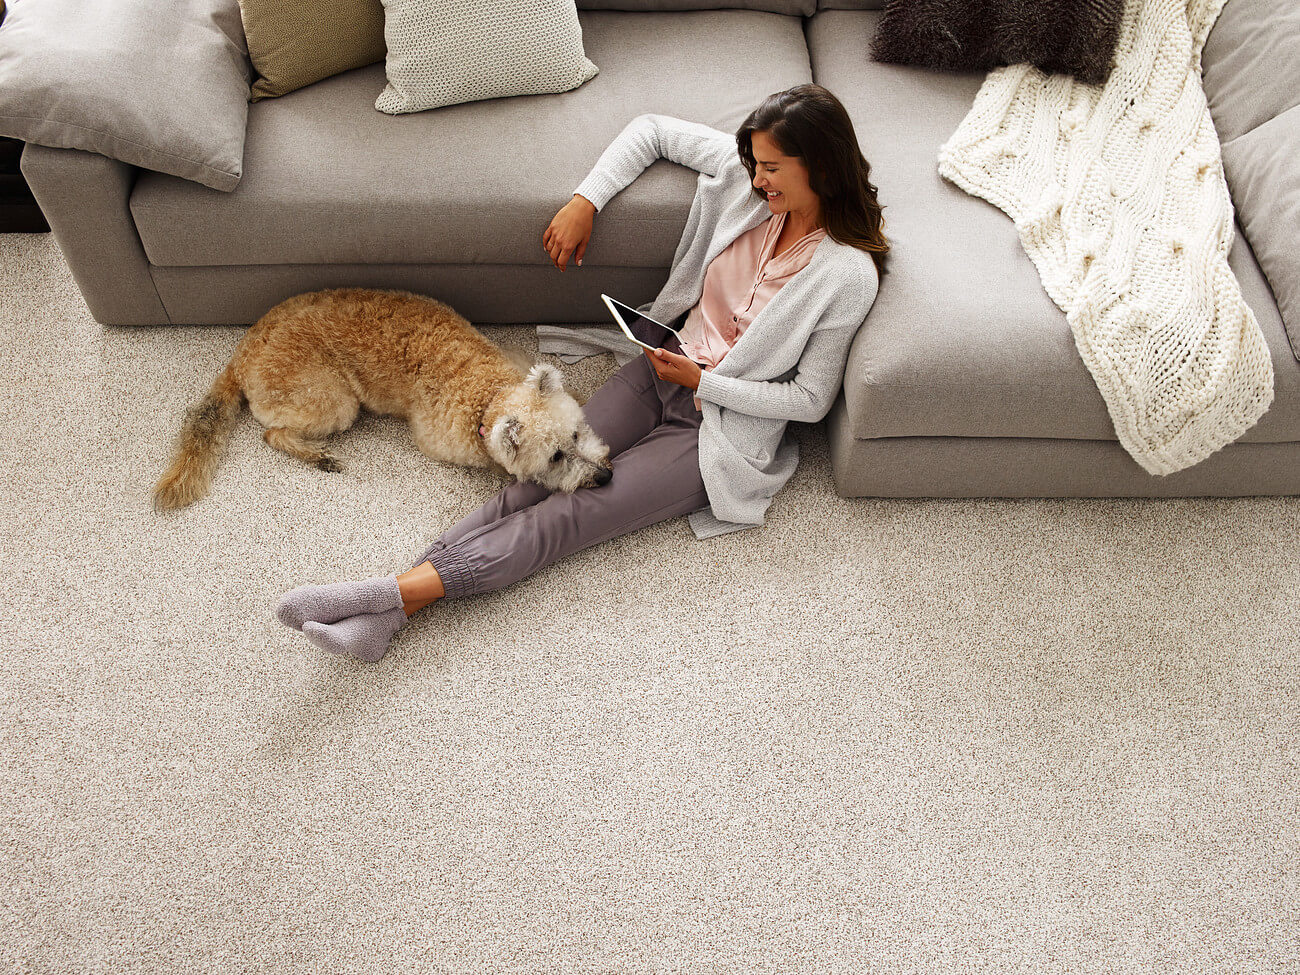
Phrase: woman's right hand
pixel 569 232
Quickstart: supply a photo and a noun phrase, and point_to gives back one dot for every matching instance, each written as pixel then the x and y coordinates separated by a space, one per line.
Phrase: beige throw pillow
pixel 444 52
pixel 293 43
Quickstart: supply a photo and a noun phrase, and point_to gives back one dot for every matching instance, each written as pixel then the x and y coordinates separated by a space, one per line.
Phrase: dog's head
pixel 541 435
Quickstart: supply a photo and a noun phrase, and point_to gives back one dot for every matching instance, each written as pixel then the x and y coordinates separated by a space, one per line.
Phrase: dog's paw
pixel 329 465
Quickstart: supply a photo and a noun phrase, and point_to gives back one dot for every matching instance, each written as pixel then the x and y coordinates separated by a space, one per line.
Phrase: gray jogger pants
pixel 652 429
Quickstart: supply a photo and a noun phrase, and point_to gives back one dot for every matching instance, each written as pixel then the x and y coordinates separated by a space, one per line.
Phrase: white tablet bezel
pixel 613 303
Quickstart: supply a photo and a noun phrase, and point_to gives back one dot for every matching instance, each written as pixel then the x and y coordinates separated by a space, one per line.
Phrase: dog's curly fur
pixel 311 362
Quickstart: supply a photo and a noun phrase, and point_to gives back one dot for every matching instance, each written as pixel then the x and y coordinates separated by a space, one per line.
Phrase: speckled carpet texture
pixel 876 735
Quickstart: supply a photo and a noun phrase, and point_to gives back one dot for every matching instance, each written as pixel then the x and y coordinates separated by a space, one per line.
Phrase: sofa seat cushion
pixel 330 180
pixel 962 339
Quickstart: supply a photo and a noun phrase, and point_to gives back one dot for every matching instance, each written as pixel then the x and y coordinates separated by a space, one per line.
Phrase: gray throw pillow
pixel 163 86
pixel 1250 65
pixel 444 52
pixel 1252 81
pixel 1055 36
pixel 1262 168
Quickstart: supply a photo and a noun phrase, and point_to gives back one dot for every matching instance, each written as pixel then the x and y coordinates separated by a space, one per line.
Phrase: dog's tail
pixel 201 443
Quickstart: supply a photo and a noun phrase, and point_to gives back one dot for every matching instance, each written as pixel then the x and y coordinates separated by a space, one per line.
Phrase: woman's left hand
pixel 674 368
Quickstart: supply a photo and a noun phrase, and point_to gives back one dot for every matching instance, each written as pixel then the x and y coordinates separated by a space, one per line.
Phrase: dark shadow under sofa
pixel 964 380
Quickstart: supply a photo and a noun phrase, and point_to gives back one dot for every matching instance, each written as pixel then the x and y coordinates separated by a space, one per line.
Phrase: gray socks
pixel 349 618
pixel 338 601
pixel 365 635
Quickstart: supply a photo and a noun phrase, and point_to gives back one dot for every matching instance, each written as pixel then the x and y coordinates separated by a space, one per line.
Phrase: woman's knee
pixel 622 411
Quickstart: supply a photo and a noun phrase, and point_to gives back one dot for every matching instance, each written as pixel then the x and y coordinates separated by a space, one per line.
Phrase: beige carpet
pixel 873 736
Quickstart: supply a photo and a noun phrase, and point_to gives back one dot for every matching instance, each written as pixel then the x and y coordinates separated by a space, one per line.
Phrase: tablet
pixel 644 331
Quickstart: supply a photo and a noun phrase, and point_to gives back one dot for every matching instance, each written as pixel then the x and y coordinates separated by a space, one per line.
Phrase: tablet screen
pixel 644 329
pixel 641 329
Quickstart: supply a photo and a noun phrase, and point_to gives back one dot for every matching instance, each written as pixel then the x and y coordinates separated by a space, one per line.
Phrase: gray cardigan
pixel 789 364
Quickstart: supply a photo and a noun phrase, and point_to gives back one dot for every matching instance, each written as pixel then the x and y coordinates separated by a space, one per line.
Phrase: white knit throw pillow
pixel 444 52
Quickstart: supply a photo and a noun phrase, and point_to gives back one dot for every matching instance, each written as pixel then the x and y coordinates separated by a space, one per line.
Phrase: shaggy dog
pixel 311 362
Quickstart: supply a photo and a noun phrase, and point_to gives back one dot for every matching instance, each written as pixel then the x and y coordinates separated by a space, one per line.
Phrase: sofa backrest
pixel 795 8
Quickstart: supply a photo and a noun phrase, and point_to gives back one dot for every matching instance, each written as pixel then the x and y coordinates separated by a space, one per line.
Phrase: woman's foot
pixel 365 636
pixel 339 600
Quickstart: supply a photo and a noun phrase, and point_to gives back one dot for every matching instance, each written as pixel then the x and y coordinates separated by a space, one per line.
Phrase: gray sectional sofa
pixel 963 381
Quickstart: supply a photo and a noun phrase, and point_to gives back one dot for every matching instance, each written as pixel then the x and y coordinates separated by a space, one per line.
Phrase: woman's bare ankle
pixel 419 587
pixel 410 609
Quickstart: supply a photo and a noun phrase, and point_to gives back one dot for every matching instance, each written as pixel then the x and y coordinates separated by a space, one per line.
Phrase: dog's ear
pixel 545 378
pixel 511 432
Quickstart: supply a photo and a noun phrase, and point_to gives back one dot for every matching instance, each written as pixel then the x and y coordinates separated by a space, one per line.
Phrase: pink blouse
pixel 738 284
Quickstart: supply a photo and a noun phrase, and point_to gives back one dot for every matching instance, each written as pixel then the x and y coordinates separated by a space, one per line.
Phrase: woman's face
pixel 783 178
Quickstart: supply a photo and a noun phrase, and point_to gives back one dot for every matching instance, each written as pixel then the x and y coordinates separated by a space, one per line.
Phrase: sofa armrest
pixel 84 197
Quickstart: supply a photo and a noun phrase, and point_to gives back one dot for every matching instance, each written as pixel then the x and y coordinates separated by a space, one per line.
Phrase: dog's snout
pixel 604 476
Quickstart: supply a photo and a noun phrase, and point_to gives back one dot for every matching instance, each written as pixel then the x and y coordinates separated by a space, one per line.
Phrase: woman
pixel 783 247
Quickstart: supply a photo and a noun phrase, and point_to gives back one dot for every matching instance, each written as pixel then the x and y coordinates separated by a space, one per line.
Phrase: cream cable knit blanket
pixel 1118 195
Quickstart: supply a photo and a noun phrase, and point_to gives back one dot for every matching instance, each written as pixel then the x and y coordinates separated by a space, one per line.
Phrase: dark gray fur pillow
pixel 1075 37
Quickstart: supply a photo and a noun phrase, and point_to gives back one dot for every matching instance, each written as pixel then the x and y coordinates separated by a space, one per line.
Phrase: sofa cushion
pixel 329 180
pixel 158 85
pixel 1251 73
pixel 962 339
pixel 442 53
pixel 1250 65
pixel 293 43
pixel 793 8
pixel 1263 168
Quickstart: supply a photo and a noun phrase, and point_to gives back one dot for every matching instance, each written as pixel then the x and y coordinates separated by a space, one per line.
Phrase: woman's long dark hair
pixel 809 122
